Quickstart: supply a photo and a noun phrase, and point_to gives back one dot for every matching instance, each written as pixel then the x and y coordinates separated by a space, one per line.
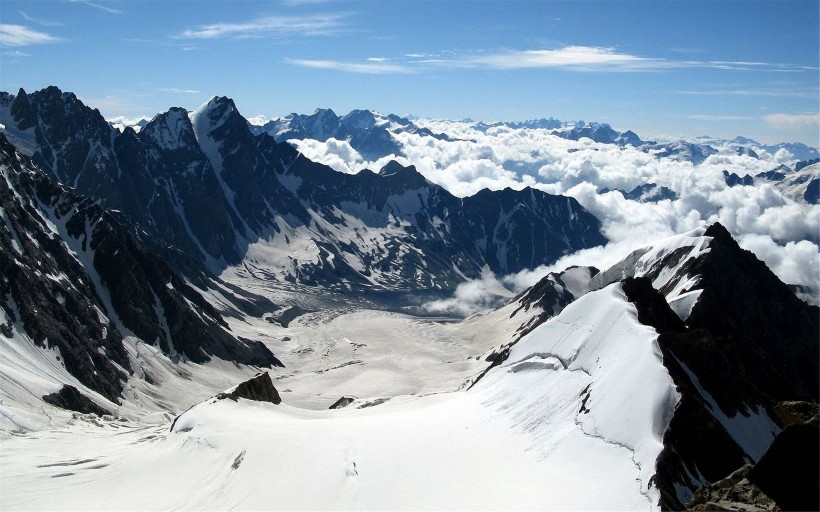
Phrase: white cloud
pixel 794 263
pixel 370 67
pixel 792 121
pixel 473 296
pixel 337 154
pixel 324 24
pixel 574 58
pixel 99 6
pixel 588 58
pixel 772 92
pixel 501 157
pixel 20 35
pixel 174 90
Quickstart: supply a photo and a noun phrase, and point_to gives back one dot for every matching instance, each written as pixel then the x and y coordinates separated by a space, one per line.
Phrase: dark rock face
pixel 735 492
pixel 745 306
pixel 796 412
pixel 789 471
pixel 734 180
pixel 70 398
pixel 786 476
pixel 63 259
pixel 799 166
pixel 651 305
pixel 45 289
pixel 777 174
pixel 343 402
pixel 258 388
pixel 650 192
pixel 743 151
pixel 553 293
pixel 205 185
pixel 748 344
pixel 812 193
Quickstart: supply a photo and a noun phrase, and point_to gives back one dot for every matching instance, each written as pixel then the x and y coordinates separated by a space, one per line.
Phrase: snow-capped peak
pixel 667 263
pixel 205 119
pixel 170 130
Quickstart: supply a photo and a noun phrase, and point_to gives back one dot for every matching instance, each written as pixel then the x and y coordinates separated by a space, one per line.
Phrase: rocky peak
pixel 170 130
pixel 359 120
pixel 213 114
pixel 411 177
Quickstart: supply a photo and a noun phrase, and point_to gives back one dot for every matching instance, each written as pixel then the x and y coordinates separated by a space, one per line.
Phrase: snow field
pixel 517 440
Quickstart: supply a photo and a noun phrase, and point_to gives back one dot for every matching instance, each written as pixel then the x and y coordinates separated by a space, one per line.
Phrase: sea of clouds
pixel 782 232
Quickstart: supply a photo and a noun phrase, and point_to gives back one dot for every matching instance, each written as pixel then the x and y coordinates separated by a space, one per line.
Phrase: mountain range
pixel 204 184
pixel 372 135
pixel 146 273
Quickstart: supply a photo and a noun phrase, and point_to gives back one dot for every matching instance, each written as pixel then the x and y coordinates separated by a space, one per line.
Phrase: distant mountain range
pixel 368 132
pixel 371 134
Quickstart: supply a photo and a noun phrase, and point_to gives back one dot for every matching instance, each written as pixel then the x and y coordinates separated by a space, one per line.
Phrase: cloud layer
pixel 782 232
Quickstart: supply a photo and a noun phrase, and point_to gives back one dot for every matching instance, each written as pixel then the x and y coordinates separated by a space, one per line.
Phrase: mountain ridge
pixel 225 198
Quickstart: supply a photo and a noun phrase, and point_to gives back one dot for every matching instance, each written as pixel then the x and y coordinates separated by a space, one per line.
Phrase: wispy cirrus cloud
pixel 269 26
pixel 585 58
pixel 15 53
pixel 174 90
pixel 769 92
pixel 572 58
pixel 369 67
pixel 598 58
pixel 300 3
pixel 713 117
pixel 95 5
pixel 39 21
pixel 20 35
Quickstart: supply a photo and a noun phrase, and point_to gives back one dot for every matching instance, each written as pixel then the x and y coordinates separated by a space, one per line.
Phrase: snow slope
pixel 519 439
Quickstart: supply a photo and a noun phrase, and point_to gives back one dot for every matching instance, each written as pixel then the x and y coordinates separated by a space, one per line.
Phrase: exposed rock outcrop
pixel 74 277
pixel 747 344
pixel 735 492
pixel 70 398
pixel 789 471
pixel 259 388
pixel 342 402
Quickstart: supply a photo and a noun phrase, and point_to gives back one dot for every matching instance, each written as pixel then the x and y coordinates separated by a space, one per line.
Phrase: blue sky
pixel 661 68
